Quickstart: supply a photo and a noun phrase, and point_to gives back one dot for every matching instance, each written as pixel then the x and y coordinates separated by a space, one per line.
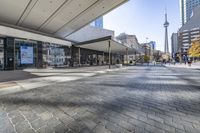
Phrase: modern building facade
pixel 185 39
pixel 17 53
pixel 147 49
pixel 188 32
pixel 174 44
pixel 34 33
pixel 153 45
pixel 186 9
pixel 100 51
pixel 130 41
pixel 98 23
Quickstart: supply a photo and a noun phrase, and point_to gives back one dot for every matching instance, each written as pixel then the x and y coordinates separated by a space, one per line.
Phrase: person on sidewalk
pixel 174 62
pixel 189 62
pixel 154 62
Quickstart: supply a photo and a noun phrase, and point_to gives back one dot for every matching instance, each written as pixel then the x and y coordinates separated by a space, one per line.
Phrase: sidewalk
pixel 45 77
pixel 178 65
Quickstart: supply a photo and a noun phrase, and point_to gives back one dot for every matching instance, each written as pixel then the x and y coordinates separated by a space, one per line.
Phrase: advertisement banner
pixel 26 55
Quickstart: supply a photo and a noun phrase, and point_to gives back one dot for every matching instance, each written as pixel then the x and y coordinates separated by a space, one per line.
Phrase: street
pixel 140 99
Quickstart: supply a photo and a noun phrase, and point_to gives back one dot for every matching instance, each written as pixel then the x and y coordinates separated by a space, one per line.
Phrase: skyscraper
pixel 186 9
pixel 98 23
pixel 166 24
pixel 174 44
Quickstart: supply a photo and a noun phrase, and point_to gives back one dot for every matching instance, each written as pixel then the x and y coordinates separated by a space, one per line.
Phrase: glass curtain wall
pixel 1 54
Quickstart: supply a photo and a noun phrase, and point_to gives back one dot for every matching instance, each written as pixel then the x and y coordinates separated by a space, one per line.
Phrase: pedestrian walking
pixel 189 63
pixel 174 62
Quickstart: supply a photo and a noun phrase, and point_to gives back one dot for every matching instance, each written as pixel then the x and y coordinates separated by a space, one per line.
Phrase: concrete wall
pixel 89 33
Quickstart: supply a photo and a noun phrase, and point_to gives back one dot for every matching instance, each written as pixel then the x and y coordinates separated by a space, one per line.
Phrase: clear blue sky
pixel 145 18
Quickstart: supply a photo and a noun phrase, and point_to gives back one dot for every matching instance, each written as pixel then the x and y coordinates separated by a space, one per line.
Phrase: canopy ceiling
pixel 56 17
pixel 102 44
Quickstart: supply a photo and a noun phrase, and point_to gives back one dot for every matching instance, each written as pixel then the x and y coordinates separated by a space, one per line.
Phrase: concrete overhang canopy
pixel 18 33
pixel 57 17
pixel 102 44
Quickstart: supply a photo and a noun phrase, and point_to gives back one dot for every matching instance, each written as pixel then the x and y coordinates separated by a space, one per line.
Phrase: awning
pixel 102 44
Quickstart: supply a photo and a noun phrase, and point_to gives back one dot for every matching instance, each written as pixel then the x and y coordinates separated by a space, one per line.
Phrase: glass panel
pixel 56 55
pixel 25 54
pixel 1 54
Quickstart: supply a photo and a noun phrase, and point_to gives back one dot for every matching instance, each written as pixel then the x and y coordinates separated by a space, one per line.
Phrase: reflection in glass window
pixel 1 54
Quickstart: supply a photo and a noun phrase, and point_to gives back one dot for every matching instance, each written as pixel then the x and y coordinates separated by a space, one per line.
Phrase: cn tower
pixel 166 24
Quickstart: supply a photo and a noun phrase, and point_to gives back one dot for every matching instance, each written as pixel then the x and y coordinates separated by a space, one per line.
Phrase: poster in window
pixel 26 55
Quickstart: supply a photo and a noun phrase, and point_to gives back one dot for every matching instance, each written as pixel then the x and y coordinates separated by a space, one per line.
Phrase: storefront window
pixel 56 55
pixel 21 53
pixel 26 53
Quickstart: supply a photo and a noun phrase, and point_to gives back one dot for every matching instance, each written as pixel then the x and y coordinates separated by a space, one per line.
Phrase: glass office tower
pixel 98 23
pixel 186 9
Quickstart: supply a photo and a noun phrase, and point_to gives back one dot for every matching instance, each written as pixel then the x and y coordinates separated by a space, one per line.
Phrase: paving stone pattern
pixel 137 100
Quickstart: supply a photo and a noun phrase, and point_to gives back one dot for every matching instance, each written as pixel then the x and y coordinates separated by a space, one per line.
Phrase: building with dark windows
pixel 189 32
pixel 174 44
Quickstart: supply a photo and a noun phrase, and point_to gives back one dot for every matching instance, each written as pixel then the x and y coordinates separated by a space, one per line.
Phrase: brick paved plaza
pixel 136 100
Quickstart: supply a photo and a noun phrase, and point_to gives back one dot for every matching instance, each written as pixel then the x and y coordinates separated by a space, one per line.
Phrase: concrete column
pixel 97 59
pixel 9 54
pixel 79 56
pixel 103 57
pixel 109 54
pixel 14 61
pixel 126 55
pixel 37 64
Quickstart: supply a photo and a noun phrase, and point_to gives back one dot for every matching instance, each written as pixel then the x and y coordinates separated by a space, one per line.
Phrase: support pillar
pixel 79 56
pixel 39 52
pixel 103 58
pixel 14 60
pixel 97 59
pixel 9 54
pixel 109 54
pixel 126 55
